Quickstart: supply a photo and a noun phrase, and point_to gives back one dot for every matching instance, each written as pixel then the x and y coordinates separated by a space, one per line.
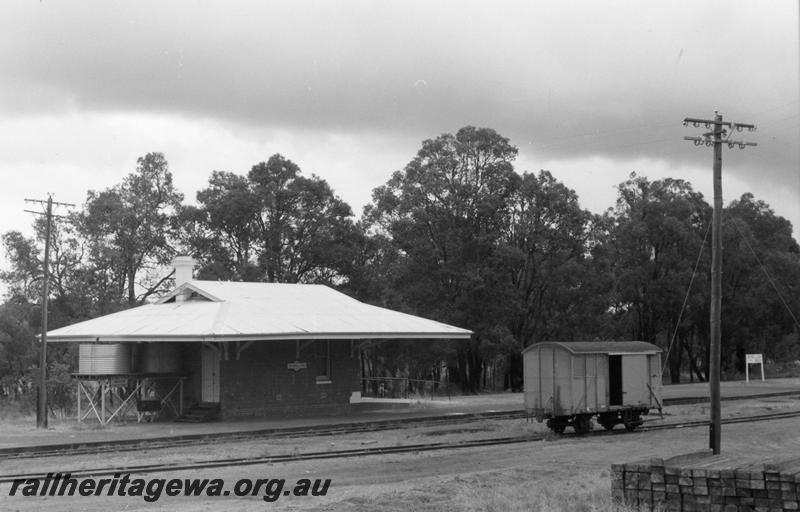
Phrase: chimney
pixel 184 265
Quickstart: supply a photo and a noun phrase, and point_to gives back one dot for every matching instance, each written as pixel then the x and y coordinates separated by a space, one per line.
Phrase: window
pixel 323 360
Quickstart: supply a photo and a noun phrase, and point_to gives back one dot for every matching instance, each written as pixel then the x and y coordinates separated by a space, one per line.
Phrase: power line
pixel 685 299
pixel 766 273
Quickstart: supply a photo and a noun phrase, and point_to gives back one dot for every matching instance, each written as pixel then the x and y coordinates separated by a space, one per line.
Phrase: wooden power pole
pixel 716 137
pixel 41 399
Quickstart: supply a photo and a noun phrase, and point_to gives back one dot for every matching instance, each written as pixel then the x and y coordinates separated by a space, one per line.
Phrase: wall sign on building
pixel 297 366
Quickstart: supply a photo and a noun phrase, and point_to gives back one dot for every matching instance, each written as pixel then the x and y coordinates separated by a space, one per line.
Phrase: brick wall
pixel 662 487
pixel 260 384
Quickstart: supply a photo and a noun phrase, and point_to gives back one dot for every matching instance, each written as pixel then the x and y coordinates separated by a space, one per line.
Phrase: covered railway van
pixel 567 383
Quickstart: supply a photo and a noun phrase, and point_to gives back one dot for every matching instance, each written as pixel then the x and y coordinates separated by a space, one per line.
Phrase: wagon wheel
pixel 582 424
pixel 632 420
pixel 556 426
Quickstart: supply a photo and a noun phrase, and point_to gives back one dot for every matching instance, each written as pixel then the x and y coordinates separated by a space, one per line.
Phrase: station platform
pixel 72 432
pixel 18 435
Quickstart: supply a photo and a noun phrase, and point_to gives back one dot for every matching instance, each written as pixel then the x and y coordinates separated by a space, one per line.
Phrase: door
pixel 614 380
pixel 635 377
pixel 209 388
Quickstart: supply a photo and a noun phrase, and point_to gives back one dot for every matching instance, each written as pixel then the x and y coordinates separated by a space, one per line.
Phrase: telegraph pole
pixel 716 137
pixel 41 400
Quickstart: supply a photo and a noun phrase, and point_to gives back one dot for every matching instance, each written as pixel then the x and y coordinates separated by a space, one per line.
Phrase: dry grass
pixel 14 413
pixel 501 491
pixel 585 492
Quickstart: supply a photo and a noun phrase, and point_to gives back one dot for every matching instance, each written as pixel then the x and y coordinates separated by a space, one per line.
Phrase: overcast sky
pixel 588 90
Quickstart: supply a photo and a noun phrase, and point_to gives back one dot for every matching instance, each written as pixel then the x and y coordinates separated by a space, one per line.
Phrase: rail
pixel 362 452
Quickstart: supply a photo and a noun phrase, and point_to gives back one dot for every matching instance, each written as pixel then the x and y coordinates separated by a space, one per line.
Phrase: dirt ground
pixel 537 475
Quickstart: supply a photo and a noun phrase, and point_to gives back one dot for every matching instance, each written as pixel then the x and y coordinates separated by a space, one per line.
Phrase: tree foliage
pixel 482 247
pixel 128 229
pixel 273 225
pixel 458 235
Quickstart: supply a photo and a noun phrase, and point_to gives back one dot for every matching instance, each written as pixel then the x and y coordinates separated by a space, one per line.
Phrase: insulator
pixel 741 145
pixel 698 142
pixel 695 124
pixel 708 143
pixel 730 145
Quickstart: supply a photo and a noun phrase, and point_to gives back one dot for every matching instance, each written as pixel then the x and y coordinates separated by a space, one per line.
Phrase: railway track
pixel 361 452
pixel 217 437
pixel 104 447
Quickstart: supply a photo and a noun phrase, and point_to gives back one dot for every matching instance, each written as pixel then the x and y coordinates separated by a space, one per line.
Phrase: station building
pixel 234 350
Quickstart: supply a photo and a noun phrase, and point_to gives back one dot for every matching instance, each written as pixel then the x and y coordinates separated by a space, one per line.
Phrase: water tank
pixel 159 358
pixel 104 359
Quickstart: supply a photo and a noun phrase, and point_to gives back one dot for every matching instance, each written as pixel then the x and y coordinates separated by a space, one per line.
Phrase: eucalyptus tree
pixel 445 213
pixel 550 236
pixel 656 232
pixel 272 225
pixel 761 284
pixel 129 230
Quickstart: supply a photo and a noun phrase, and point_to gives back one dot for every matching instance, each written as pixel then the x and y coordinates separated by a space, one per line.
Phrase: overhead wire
pixel 767 274
pixel 685 300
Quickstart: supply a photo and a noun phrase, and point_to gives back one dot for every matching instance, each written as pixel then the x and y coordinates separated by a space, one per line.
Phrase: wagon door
pixel 635 378
pixel 655 380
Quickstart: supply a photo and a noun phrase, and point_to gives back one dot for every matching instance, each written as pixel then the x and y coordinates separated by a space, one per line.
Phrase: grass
pixel 15 413
pixel 585 492
pixel 515 490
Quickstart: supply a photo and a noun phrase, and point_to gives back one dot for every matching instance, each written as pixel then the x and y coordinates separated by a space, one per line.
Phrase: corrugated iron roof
pixel 229 311
pixel 602 347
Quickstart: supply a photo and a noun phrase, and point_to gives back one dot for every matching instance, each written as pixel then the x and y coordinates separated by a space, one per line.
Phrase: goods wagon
pixel 567 383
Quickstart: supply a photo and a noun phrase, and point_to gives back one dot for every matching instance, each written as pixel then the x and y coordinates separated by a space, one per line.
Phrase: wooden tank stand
pixel 116 396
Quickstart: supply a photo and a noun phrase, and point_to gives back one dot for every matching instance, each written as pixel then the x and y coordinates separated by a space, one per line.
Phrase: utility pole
pixel 716 137
pixel 41 399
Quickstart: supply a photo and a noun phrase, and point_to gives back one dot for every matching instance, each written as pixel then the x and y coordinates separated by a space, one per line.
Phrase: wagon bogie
pixel 630 418
pixel 558 425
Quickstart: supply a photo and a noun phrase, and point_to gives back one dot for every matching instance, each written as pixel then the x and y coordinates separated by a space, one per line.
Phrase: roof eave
pixel 253 337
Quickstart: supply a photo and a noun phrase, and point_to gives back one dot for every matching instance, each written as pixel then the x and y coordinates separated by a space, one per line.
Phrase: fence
pixel 401 387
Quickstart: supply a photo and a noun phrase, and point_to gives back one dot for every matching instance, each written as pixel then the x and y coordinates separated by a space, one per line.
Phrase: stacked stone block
pixel 657 487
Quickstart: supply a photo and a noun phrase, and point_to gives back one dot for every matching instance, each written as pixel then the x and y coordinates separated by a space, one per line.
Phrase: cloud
pixel 351 88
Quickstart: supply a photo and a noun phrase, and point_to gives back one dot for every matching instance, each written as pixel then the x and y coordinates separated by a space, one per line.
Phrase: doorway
pixel 614 380
pixel 209 387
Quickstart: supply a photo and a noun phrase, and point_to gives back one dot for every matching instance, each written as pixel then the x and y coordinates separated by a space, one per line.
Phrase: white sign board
pixel 753 359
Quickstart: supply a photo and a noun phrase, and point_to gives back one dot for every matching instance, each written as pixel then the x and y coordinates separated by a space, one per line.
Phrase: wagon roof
pixel 227 311
pixel 602 347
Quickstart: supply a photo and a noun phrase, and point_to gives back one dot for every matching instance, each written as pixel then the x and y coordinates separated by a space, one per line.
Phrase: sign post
pixel 753 359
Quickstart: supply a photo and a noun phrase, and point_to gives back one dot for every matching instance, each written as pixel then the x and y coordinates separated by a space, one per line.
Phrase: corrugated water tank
pixel 159 358
pixel 104 358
